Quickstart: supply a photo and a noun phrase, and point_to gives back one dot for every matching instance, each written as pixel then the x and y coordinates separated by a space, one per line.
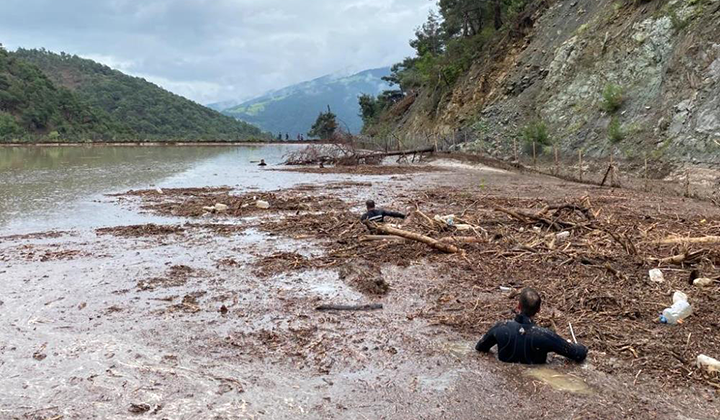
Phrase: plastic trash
pixel 680 310
pixel 448 220
pixel 703 282
pixel 262 204
pixel 159 190
pixel 707 362
pixel 657 276
pixel 220 207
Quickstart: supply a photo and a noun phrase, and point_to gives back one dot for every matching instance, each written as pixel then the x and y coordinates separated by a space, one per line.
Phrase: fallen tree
pixel 440 246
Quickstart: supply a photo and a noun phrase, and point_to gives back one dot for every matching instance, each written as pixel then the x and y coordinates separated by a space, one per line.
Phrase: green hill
pixel 150 112
pixel 294 109
pixel 32 106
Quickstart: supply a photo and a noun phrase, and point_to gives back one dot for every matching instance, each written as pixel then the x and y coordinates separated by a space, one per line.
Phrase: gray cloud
pixel 214 50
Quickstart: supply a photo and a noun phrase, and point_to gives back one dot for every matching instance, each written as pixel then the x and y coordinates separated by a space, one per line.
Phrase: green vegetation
pixel 32 107
pixel 294 109
pixel 616 133
pixel 325 126
pixel 446 46
pixel 612 98
pixel 372 107
pixel 536 133
pixel 121 107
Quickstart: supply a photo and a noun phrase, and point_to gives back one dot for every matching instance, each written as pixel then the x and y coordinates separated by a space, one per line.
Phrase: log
pixel 462 240
pixel 703 240
pixel 350 308
pixel 447 248
pixel 688 258
pixel 370 238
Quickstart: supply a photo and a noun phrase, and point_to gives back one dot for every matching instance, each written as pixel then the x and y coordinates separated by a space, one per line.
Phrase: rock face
pixel 663 55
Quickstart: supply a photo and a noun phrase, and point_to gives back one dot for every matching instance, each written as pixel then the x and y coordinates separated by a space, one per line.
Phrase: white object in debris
pixel 159 190
pixel 703 282
pixel 657 276
pixel 562 235
pixel 210 209
pixel 448 220
pixel 680 310
pixel 262 204
pixel 707 362
pixel 220 207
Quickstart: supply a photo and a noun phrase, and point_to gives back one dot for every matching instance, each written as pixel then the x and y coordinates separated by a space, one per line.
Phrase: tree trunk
pixel 447 248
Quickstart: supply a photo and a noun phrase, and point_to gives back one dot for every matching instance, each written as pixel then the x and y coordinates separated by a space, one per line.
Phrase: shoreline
pixel 162 144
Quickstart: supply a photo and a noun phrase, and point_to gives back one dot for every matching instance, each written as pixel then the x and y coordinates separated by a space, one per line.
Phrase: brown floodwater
pixel 43 188
pixel 82 336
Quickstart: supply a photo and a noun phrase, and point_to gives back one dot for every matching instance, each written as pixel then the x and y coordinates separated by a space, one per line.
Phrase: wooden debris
pixel 350 308
pixel 440 246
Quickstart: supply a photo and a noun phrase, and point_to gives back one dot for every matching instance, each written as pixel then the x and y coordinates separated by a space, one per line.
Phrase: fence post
pixel 534 157
pixel 557 166
pixel 647 180
pixel 515 151
pixel 687 183
pixel 612 167
pixel 580 164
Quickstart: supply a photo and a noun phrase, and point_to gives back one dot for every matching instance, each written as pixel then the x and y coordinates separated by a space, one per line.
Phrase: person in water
pixel 378 215
pixel 521 341
pixel 262 162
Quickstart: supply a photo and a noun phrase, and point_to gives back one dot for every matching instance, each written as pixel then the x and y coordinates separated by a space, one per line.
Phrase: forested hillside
pixel 31 105
pixel 294 109
pixel 143 110
pixel 639 77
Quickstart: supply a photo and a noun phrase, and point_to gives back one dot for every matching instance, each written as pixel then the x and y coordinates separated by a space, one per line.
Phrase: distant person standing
pixel 287 136
pixel 279 137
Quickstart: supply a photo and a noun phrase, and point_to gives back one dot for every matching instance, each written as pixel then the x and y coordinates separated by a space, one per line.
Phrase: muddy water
pixel 44 188
pixel 81 339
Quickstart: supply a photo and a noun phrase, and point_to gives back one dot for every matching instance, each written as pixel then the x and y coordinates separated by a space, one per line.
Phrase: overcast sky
pixel 217 50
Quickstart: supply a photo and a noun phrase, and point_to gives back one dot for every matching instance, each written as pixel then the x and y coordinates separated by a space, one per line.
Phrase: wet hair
pixel 370 204
pixel 530 302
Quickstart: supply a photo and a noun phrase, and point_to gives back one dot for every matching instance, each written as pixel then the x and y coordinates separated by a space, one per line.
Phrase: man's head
pixel 530 302
pixel 370 204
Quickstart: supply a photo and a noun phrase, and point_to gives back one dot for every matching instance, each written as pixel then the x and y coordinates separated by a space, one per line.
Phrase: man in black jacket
pixel 378 215
pixel 521 341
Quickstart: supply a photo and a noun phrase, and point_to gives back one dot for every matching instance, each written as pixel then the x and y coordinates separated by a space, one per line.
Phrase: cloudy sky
pixel 217 50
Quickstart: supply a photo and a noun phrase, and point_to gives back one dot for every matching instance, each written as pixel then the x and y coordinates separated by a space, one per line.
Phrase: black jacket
pixel 521 341
pixel 379 215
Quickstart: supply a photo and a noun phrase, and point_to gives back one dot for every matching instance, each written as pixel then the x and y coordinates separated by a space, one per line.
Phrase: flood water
pixel 45 188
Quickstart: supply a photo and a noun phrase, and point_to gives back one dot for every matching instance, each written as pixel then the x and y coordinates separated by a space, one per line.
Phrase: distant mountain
pixel 222 106
pixel 294 109
pixel 150 112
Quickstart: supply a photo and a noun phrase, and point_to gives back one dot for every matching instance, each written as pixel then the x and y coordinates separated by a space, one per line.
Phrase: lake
pixel 47 188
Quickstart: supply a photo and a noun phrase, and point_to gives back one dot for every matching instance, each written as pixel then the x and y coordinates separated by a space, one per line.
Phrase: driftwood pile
pixel 345 154
pixel 589 257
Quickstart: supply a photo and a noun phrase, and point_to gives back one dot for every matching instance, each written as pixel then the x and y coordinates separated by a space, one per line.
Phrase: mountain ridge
pixel 293 109
pixel 144 111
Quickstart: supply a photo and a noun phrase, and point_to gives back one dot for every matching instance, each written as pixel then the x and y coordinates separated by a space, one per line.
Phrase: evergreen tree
pixel 325 126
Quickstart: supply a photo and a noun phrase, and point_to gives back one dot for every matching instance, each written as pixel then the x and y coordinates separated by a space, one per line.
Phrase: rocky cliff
pixel 659 60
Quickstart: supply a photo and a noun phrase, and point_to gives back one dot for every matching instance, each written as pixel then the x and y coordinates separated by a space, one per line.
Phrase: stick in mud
pixel 373 307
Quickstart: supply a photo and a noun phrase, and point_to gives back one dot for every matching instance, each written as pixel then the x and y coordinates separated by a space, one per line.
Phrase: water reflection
pixel 43 188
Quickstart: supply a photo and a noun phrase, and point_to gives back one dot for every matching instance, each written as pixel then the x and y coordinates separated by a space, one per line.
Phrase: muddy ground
pixel 214 316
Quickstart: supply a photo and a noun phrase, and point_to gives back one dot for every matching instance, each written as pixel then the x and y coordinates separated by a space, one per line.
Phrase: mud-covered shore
pixel 214 315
